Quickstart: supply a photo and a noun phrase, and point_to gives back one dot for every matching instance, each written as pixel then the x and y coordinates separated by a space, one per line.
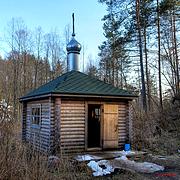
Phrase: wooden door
pixel 110 126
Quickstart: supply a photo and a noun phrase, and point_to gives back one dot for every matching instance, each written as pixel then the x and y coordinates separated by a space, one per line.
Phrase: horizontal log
pixel 45 112
pixel 73 132
pixel 72 140
pixel 122 116
pixel 72 122
pixel 45 134
pixel 72 129
pixel 73 136
pixel 45 123
pixel 122 135
pixel 72 111
pixel 72 125
pixel 74 107
pixel 121 124
pixel 73 143
pixel 45 120
pixel 45 128
pixel 120 121
pixel 122 113
pixel 79 107
pixel 69 118
pixel 122 128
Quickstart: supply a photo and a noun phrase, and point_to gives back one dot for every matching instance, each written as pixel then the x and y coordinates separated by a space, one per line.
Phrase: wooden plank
pixel 109 108
pixel 110 126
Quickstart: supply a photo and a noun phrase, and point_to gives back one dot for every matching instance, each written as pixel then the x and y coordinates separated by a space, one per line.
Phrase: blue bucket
pixel 127 147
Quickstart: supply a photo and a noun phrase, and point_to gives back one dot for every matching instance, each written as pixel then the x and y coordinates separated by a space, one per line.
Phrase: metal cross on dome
pixel 73 34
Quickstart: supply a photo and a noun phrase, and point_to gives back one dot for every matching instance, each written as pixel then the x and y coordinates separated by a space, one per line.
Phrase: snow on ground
pixel 124 153
pixel 86 157
pixel 144 167
pixel 101 168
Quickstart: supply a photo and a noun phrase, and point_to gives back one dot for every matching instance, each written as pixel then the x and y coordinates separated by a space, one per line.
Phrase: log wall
pixel 123 123
pixel 63 125
pixel 24 109
pixel 39 137
pixel 72 126
pixel 130 123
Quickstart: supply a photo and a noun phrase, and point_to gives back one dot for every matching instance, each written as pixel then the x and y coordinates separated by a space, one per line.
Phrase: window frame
pixel 34 125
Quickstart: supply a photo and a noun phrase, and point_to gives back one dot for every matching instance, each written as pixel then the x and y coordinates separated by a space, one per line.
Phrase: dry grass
pixel 19 161
pixel 156 131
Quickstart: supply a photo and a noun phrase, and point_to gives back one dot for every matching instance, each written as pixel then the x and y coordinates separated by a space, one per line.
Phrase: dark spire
pixel 73 51
pixel 73 34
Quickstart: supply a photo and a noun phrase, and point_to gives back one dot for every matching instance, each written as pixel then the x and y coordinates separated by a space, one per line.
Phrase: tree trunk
pixel 147 70
pixel 159 55
pixel 176 53
pixel 141 55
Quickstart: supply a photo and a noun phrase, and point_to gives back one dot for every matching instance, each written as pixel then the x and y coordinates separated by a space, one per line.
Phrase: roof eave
pixel 95 96
pixel 34 97
pixel 79 96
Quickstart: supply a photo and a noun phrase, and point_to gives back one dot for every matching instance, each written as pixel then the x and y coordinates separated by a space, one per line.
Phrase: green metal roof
pixel 77 83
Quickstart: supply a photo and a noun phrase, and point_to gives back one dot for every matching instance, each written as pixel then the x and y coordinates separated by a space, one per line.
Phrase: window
pixel 36 115
pixel 97 113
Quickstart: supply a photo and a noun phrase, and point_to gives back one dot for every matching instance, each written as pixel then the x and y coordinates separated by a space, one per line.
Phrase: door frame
pixel 86 124
pixel 101 103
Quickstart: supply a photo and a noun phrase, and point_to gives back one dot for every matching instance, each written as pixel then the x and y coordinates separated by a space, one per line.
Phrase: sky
pixel 56 14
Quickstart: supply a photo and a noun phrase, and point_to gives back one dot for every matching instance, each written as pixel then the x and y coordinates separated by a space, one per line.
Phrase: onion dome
pixel 73 46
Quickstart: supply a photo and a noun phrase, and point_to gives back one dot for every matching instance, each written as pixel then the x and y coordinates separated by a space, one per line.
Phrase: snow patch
pixel 126 152
pixel 144 167
pixel 99 170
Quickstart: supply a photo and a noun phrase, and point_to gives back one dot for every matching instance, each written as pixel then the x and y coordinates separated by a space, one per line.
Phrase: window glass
pixel 97 112
pixel 36 115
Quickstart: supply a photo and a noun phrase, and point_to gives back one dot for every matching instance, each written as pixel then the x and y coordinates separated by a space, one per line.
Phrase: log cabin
pixel 76 112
